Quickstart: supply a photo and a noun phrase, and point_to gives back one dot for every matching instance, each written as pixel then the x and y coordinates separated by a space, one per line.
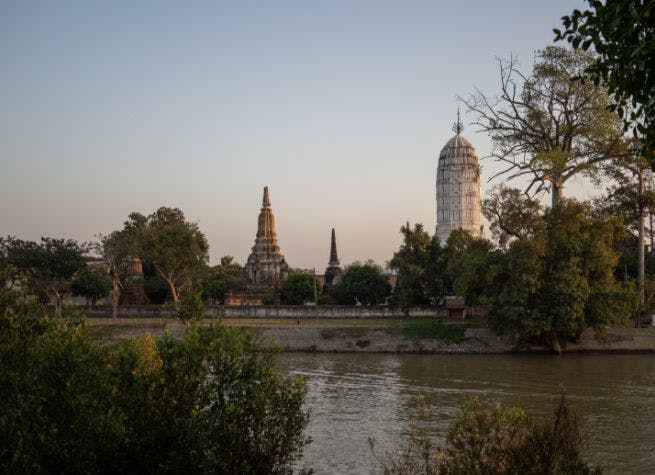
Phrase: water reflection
pixel 356 396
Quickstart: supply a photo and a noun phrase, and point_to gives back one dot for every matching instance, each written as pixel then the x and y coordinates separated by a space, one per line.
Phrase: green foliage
pixel 155 288
pixel 300 287
pixel 467 261
pixel 432 329
pixel 118 249
pixel 270 299
pixel 550 125
pixel 57 409
pixel 189 307
pixel 362 283
pixel 622 33
pixel 175 247
pixel 554 285
pixel 512 214
pixel 209 402
pixel 41 269
pixel 92 284
pixel 496 440
pixel 420 264
pixel 362 343
pixel 219 280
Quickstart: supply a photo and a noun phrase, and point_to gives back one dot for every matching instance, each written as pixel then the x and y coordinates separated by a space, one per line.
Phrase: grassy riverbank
pixel 379 335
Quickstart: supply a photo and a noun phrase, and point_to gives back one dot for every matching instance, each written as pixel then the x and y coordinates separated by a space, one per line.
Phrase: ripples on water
pixel 356 396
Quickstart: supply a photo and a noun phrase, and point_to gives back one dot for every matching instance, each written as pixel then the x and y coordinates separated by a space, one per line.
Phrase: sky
pixel 339 107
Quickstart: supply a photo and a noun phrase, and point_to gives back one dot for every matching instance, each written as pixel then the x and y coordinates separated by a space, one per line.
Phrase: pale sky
pixel 340 107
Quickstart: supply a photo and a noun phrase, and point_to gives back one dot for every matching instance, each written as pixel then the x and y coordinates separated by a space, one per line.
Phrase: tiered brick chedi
pixel 333 271
pixel 266 268
pixel 458 187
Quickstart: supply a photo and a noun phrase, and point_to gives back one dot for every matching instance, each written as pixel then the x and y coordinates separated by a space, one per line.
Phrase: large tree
pixel 219 280
pixel 118 249
pixel 43 269
pixel 175 247
pixel 551 125
pixel 512 214
pixel 420 265
pixel 300 287
pixel 630 197
pixel 92 284
pixel 553 285
pixel 362 283
pixel 622 33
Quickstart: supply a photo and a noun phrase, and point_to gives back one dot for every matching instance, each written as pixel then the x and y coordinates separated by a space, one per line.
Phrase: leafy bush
pixel 189 307
pixel 494 440
pixel 420 329
pixel 209 402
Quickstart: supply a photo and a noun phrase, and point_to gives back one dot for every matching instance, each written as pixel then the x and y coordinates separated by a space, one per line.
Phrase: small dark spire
pixel 458 126
pixel 333 250
pixel 266 201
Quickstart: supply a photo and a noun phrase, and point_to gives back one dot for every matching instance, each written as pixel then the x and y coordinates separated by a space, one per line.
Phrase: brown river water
pixel 356 396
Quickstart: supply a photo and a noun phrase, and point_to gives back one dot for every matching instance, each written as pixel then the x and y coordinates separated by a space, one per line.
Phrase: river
pixel 356 396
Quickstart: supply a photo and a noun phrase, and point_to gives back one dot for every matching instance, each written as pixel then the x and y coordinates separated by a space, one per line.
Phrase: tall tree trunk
pixel 115 297
pixel 58 302
pixel 171 286
pixel 641 274
pixel 652 249
pixel 556 190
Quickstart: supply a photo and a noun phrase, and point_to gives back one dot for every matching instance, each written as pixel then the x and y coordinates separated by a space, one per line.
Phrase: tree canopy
pixel 300 287
pixel 43 269
pixel 362 283
pixel 622 34
pixel 175 247
pixel 420 264
pixel 219 280
pixel 551 125
pixel 551 286
pixel 92 284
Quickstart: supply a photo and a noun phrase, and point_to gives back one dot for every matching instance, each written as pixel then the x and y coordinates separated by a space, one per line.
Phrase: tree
pixel 420 265
pixel 300 287
pixel 552 286
pixel 494 440
pixel 44 269
pixel 175 247
pixel 512 214
pixel 362 283
pixel 622 33
pixel 549 126
pixel 92 284
pixel 630 198
pixel 210 401
pixel 468 260
pixel 219 280
pixel 118 249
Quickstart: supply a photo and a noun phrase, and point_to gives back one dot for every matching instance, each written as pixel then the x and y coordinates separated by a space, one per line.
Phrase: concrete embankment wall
pixel 278 311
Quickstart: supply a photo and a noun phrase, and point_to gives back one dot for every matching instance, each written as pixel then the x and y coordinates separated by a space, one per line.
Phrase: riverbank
pixel 382 336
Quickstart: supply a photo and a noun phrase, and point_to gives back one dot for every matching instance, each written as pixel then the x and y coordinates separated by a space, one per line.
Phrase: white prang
pixel 458 189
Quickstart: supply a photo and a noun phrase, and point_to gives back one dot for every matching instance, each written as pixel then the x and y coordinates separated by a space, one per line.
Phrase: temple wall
pixel 277 311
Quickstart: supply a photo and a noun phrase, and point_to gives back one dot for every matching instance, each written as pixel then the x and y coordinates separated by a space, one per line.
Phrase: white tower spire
pixel 458 187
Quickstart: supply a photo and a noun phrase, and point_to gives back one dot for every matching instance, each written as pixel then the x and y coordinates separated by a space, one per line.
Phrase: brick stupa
pixel 266 268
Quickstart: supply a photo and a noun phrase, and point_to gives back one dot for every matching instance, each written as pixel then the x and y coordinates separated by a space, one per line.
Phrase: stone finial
pixel 266 201
pixel 458 126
